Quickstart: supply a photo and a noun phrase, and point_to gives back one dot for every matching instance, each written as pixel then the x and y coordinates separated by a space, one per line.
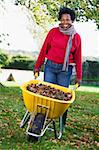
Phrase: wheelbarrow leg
pixel 25 119
pixel 61 127
pixel 55 130
pixel 58 135
pixel 64 118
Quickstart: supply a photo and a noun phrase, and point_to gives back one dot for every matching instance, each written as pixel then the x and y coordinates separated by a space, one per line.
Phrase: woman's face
pixel 66 21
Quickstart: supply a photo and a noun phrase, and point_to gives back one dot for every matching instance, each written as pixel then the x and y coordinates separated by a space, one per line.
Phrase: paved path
pixel 20 76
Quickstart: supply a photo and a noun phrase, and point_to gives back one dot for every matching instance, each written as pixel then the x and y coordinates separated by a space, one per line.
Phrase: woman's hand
pixel 78 81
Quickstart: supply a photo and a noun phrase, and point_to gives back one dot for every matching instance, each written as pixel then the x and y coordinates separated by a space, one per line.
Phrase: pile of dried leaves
pixel 48 91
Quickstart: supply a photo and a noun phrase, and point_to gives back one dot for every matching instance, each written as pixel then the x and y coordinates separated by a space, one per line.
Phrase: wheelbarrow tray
pixel 56 107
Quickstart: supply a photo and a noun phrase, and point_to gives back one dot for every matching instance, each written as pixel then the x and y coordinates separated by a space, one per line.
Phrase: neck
pixel 68 31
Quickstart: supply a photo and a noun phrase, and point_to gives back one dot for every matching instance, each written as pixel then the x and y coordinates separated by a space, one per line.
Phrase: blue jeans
pixel 53 73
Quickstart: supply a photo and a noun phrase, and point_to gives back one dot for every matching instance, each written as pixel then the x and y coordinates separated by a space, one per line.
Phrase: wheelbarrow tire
pixel 31 138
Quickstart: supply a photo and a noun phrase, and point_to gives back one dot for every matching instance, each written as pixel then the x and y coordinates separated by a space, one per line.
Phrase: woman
pixel 62 48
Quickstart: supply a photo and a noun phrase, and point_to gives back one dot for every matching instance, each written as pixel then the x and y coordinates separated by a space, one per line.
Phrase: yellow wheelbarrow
pixel 50 109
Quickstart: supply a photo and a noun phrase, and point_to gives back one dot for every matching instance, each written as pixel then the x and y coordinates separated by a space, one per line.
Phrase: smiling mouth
pixel 66 26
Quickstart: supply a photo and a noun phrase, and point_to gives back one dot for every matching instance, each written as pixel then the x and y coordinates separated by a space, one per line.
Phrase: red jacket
pixel 54 48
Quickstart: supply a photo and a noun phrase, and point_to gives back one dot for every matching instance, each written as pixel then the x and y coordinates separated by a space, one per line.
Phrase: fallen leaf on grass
pixel 94 117
pixel 78 143
pixel 97 143
pixel 72 143
pixel 54 140
pixel 85 138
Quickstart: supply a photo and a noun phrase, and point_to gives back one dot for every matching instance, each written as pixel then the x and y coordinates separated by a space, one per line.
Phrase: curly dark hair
pixel 65 10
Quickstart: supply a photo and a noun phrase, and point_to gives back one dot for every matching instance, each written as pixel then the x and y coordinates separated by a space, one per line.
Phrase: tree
pixel 47 10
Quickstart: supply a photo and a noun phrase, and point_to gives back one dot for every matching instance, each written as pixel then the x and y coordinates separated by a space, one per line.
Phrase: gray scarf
pixel 70 31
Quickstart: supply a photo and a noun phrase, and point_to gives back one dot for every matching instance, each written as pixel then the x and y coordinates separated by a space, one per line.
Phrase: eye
pixel 65 20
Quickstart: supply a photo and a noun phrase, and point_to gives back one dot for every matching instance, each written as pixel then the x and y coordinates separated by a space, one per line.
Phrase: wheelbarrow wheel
pixel 31 138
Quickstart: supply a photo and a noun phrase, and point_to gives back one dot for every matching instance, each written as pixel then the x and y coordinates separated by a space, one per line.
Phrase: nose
pixel 65 21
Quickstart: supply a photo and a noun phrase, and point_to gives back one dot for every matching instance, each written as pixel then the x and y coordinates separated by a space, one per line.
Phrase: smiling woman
pixel 63 51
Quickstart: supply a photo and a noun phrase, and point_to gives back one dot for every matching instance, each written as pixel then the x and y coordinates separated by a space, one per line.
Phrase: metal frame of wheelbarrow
pixel 28 117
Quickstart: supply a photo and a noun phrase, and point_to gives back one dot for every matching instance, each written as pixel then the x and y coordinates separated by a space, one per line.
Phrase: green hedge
pixel 20 62
pixel 91 70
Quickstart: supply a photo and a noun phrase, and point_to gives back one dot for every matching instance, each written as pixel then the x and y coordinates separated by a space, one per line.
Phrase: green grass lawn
pixel 81 130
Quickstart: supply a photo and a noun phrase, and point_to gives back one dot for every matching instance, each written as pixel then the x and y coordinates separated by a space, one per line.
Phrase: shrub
pixel 3 59
pixel 91 70
pixel 20 62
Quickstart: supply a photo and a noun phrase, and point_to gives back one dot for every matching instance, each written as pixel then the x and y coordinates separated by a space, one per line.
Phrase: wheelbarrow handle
pixel 76 86
pixel 36 75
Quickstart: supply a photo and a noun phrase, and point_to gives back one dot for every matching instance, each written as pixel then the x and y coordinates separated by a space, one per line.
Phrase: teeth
pixel 65 25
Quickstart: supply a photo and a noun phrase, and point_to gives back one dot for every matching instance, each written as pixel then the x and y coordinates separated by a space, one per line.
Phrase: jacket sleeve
pixel 43 51
pixel 78 58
